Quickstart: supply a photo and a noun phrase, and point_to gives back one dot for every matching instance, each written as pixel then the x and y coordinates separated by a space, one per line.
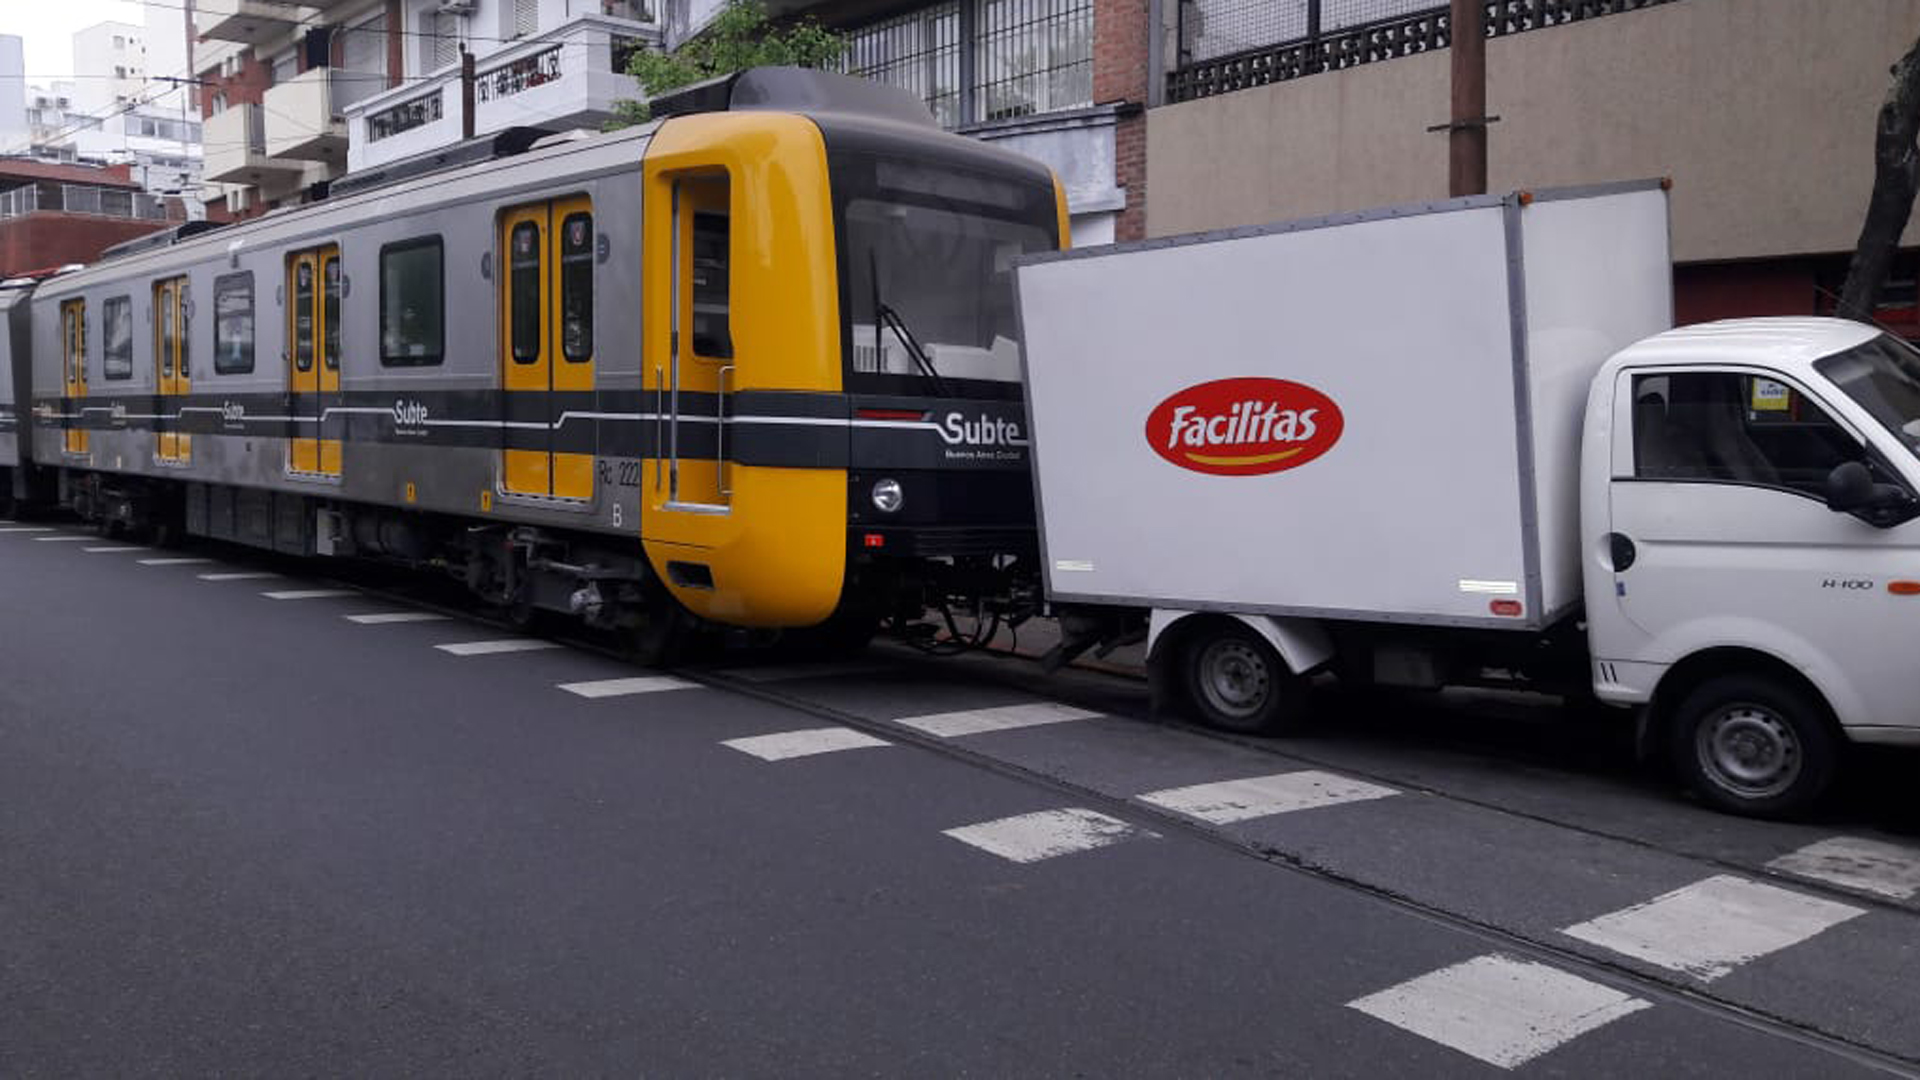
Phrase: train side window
pixel 233 323
pixel 523 292
pixel 186 314
pixel 303 315
pixel 576 287
pixel 412 303
pixel 712 333
pixel 116 338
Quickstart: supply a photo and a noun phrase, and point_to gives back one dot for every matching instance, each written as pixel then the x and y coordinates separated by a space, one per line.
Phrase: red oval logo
pixel 1244 427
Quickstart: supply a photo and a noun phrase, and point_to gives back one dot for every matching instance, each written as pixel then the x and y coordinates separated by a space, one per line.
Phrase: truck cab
pixel 1747 497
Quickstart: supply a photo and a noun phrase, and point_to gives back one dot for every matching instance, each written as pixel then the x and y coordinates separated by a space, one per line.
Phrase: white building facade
pixel 556 64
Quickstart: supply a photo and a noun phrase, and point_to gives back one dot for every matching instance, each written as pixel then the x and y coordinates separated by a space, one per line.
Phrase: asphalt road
pixel 245 829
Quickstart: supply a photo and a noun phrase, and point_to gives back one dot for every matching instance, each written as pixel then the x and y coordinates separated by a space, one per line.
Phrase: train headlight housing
pixel 887 495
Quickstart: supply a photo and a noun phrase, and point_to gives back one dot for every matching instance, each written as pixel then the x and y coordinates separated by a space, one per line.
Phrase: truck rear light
pixel 1508 608
pixel 1904 588
pixel 874 540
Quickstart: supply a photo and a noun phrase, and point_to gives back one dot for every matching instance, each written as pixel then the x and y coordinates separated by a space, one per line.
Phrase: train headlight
pixel 887 495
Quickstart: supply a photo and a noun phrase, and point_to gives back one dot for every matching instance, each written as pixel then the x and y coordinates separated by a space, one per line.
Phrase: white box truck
pixel 1458 444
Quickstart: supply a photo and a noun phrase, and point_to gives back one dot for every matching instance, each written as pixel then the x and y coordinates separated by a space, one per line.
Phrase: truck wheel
pixel 1237 682
pixel 1754 745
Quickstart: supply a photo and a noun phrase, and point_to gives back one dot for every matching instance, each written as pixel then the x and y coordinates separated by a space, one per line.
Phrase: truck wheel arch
pixel 1303 644
pixel 1684 677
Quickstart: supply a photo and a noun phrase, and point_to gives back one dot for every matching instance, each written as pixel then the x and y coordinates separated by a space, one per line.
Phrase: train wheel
pixel 1237 682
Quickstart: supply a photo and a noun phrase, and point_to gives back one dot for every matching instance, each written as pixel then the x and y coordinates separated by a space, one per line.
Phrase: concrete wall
pixel 1761 110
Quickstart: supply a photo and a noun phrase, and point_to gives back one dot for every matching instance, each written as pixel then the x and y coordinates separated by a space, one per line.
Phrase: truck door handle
pixel 1621 551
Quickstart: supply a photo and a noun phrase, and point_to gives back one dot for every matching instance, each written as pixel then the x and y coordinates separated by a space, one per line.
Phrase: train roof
pixel 547 164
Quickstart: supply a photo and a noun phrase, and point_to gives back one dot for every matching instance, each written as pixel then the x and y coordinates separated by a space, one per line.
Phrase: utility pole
pixel 466 92
pixel 1467 134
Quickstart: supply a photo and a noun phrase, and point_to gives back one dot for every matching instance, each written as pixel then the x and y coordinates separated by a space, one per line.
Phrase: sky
pixel 48 26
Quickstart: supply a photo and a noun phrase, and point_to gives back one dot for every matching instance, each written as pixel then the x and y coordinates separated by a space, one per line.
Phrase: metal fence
pixel 81 199
pixel 1228 45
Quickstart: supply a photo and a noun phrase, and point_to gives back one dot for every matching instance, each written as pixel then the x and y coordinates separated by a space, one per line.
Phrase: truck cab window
pixel 1734 428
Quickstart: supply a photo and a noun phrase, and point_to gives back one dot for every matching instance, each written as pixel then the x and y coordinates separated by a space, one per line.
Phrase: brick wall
pixel 43 240
pixel 250 85
pixel 1120 29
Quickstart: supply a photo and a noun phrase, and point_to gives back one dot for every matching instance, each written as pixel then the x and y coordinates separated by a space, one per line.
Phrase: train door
pixel 313 357
pixel 73 370
pixel 546 351
pixel 698 369
pixel 171 377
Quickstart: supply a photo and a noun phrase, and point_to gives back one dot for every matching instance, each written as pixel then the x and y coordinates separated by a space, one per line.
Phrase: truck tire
pixel 1754 745
pixel 1237 682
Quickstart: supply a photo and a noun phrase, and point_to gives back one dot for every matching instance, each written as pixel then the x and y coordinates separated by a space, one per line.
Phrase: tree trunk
pixel 1896 177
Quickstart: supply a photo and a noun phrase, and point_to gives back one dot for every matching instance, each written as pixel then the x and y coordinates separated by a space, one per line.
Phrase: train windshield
pixel 928 276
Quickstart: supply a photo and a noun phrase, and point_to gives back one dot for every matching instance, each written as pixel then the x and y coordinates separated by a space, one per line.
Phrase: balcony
pixel 236 149
pixel 306 114
pixel 250 22
pixel 569 78
pixel 49 197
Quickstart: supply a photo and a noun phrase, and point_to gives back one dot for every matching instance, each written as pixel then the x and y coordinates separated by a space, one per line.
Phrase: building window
pixel 526 17
pixel 919 52
pixel 233 323
pixel 982 60
pixel 219 102
pixel 1032 57
pixel 116 338
pixel 119 71
pixel 285 67
pixel 119 42
pixel 412 303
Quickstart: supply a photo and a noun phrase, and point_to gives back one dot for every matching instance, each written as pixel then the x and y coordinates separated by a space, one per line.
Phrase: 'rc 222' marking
pixel 620 473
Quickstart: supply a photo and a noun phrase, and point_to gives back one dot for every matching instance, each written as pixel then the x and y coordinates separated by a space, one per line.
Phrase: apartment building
pixel 1762 112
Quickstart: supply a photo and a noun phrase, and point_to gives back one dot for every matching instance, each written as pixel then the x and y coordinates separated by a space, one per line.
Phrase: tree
pixel 737 39
pixel 1896 178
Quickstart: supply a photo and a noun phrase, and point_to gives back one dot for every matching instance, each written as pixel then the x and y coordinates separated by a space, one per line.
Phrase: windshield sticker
pixel 1244 427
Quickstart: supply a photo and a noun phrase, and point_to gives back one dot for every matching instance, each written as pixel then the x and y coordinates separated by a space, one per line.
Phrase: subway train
pixel 752 364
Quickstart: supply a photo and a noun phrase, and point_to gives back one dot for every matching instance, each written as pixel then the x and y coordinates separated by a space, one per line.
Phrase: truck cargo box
pixel 1372 416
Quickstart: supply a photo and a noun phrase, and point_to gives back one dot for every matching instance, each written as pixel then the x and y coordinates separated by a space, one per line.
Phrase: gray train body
pixel 417 440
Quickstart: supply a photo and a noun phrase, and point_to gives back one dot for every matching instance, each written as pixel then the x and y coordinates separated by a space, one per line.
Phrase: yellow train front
pixel 835 368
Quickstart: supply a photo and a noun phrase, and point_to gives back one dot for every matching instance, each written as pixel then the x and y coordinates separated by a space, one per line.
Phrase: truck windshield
pixel 947 274
pixel 1883 377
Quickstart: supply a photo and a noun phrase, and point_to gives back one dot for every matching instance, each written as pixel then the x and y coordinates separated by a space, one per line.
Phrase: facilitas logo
pixel 1244 427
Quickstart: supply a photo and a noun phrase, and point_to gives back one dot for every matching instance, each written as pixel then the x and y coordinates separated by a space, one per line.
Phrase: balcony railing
pixel 1302 45
pixel 48 197
pixel 568 77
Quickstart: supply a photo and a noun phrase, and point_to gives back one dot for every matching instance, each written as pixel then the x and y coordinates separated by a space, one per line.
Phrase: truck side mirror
pixel 1852 490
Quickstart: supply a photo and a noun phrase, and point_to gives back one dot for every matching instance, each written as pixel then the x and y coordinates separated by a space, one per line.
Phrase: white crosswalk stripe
pixel 1004 718
pixel 504 645
pixel 180 561
pixel 239 575
pixel 792 744
pixel 113 550
pixel 1868 865
pixel 639 684
pixel 1502 1010
pixel 1028 838
pixel 307 594
pixel 60 539
pixel 1711 927
pixel 27 529
pixel 1262 796
pixel 384 617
